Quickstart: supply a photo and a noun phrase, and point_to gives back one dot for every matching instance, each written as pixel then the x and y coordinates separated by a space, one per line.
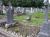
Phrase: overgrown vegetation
pixel 24 3
pixel 36 18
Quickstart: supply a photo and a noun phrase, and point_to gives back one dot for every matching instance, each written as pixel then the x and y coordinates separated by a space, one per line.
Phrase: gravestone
pixel 10 16
pixel 10 13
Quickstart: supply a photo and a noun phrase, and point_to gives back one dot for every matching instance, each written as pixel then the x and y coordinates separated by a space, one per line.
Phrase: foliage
pixel 27 3
pixel 13 2
pixel 24 3
pixel 5 2
pixel 38 3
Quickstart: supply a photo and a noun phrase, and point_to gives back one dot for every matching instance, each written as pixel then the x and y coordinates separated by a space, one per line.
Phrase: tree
pixel 38 3
pixel 30 3
pixel 5 2
pixel 14 3
pixel 1 7
pixel 24 3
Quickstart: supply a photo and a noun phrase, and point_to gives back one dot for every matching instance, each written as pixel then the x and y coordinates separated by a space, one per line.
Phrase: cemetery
pixel 24 20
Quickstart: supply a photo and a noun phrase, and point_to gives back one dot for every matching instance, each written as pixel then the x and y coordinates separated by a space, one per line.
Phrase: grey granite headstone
pixel 9 16
pixel 10 13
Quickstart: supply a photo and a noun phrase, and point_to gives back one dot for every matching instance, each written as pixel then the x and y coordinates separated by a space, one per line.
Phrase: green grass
pixel 48 15
pixel 38 15
pixel 20 18
pixel 36 19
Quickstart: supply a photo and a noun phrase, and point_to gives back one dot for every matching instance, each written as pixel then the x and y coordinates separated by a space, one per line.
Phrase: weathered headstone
pixel 10 16
pixel 10 13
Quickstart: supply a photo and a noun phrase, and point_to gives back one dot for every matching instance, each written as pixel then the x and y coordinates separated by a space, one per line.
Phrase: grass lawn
pixel 36 19
pixel 49 16
pixel 20 18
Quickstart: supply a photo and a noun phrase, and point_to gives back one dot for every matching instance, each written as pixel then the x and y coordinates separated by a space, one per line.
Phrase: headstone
pixel 10 13
pixel 10 16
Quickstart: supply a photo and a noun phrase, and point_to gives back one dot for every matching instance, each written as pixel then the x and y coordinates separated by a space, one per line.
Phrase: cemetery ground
pixel 27 27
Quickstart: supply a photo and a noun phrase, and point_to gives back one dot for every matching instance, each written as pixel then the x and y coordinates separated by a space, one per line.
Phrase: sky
pixel 45 0
pixel 49 1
